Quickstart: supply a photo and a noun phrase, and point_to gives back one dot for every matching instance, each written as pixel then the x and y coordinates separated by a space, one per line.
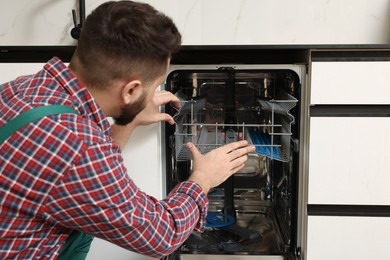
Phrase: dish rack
pixel 203 125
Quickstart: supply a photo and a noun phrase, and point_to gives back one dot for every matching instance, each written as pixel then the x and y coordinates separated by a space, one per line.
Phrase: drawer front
pixel 349 160
pixel 348 238
pixel 350 82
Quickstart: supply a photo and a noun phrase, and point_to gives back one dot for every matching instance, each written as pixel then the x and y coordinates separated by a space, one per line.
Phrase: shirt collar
pixel 81 97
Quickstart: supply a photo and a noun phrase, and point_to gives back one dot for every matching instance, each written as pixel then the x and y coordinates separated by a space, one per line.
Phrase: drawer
pixel 350 83
pixel 348 238
pixel 349 160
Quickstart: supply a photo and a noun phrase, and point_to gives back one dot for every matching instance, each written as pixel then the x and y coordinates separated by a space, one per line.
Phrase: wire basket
pixel 204 126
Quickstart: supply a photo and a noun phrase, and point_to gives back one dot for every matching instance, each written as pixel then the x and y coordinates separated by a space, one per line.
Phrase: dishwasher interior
pixel 254 212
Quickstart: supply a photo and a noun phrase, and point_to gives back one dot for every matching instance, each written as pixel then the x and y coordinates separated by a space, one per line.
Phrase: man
pixel 62 179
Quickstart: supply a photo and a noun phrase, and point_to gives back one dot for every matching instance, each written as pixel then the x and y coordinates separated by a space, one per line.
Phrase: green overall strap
pixel 30 116
pixel 77 245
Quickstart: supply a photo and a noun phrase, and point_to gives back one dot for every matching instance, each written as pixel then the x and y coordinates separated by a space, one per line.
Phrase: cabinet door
pixel 348 238
pixel 350 82
pixel 349 160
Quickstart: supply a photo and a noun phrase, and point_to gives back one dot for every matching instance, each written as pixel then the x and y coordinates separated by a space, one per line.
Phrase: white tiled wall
pixel 48 22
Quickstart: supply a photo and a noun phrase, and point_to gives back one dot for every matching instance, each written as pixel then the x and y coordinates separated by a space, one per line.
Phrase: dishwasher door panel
pixel 349 160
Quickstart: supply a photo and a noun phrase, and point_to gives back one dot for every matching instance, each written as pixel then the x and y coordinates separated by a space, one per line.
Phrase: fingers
pixel 162 97
pixel 193 150
pixel 238 156
pixel 152 114
pixel 241 152
pixel 236 169
pixel 169 119
pixel 238 148
pixel 233 146
pixel 166 117
pixel 238 162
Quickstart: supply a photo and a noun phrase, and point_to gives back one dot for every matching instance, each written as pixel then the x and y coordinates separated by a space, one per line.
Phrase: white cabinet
pixel 10 71
pixel 348 238
pixel 349 160
pixel 350 83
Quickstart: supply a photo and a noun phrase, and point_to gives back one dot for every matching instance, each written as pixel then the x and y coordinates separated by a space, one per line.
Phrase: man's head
pixel 123 42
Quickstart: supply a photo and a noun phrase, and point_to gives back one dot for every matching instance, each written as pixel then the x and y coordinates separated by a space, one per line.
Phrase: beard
pixel 130 111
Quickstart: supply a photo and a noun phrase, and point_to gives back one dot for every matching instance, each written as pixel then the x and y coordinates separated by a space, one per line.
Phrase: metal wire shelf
pixel 271 136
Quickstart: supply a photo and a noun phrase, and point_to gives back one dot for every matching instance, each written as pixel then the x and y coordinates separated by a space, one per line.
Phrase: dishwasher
pixel 255 213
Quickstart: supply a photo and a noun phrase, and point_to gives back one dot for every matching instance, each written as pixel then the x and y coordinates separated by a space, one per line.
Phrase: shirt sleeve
pixel 98 197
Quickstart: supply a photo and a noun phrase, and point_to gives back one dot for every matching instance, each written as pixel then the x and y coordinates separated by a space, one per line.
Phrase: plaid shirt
pixel 63 172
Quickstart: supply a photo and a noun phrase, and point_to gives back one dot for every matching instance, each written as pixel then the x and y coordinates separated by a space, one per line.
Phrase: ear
pixel 131 91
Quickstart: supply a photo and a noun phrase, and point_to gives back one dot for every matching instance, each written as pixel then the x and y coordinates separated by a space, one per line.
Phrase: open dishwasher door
pixel 254 212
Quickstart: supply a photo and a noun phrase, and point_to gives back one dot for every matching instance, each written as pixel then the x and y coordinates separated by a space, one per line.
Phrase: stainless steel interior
pixel 257 107
pixel 222 106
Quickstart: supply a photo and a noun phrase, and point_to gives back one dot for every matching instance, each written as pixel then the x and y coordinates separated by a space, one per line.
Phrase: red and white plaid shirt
pixel 63 172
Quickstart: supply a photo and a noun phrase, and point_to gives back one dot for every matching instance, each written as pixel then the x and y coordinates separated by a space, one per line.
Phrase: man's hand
pixel 149 115
pixel 213 168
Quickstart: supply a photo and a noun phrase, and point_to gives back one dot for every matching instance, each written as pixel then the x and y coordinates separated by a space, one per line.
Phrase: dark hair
pixel 124 39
